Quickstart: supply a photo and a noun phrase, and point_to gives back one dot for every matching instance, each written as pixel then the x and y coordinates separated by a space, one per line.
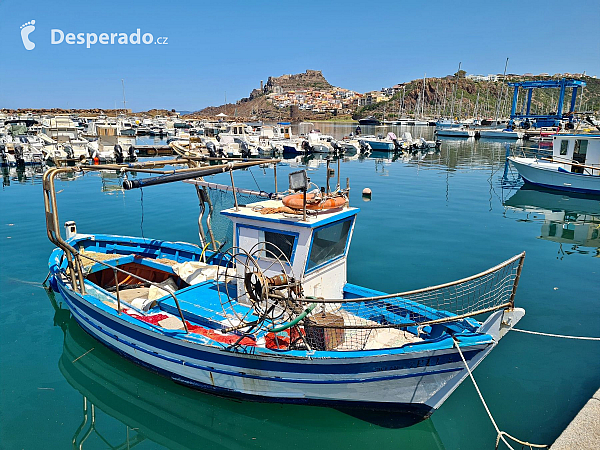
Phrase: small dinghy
pixel 274 318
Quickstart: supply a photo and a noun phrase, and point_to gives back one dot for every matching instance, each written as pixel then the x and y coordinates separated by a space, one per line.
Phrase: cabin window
pixel 579 155
pixel 564 146
pixel 329 242
pixel 568 232
pixel 580 147
pixel 281 241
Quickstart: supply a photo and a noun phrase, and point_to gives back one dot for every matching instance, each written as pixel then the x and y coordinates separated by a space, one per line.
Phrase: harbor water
pixel 433 217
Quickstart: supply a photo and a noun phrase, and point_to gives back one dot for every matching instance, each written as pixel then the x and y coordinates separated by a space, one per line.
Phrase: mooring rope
pixel 582 338
pixel 502 435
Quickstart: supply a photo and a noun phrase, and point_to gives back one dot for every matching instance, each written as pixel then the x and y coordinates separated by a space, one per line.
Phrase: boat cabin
pixel 314 250
pixel 283 130
pixel 582 151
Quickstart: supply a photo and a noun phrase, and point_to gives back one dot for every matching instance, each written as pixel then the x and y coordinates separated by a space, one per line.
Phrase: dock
pixel 584 430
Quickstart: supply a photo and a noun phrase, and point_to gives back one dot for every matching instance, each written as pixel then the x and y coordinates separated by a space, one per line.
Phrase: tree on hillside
pixel 460 74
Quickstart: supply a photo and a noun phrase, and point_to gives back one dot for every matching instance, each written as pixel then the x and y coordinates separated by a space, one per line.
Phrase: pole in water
pixel 506 162
pixel 327 185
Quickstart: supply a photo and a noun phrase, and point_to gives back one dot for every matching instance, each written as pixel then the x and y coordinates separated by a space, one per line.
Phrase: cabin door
pixel 579 154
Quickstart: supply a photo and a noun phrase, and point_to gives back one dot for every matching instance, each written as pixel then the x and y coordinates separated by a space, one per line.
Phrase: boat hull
pixel 500 134
pixel 537 174
pixel 415 382
pixel 380 145
pixel 369 121
pixel 453 132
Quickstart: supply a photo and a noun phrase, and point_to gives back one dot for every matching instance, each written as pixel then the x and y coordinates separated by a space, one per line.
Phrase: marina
pixel 303 225
pixel 434 188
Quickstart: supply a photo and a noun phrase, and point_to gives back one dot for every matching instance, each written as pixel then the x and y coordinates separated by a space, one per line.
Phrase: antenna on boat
pixel 299 182
pixel 123 85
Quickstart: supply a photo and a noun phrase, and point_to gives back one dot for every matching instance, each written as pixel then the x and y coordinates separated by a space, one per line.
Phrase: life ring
pixel 296 201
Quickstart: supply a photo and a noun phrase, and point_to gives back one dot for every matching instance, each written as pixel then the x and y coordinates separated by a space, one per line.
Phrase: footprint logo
pixel 26 30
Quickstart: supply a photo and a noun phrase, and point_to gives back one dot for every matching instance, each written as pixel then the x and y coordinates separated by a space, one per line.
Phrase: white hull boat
pixel 274 319
pixel 454 132
pixel 574 165
pixel 500 134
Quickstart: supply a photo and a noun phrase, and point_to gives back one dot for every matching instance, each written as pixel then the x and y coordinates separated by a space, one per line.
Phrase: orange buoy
pixel 313 203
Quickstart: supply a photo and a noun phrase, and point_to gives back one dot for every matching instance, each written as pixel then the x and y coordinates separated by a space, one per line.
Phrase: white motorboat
pixel 574 165
pixel 500 133
pixel 460 132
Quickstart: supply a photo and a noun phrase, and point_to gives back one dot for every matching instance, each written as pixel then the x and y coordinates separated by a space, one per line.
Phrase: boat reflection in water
pixel 154 408
pixel 24 174
pixel 569 218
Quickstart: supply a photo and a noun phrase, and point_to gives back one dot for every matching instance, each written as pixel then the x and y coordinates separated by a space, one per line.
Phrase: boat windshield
pixel 329 242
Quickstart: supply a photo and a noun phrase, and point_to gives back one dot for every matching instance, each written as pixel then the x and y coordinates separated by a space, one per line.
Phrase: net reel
pixel 249 298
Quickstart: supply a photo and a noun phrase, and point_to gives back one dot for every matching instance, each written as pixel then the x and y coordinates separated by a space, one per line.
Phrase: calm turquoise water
pixel 432 220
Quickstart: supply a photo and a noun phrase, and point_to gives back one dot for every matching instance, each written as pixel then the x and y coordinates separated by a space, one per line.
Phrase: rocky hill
pixel 311 79
pixel 257 105
pixel 453 95
pixel 461 97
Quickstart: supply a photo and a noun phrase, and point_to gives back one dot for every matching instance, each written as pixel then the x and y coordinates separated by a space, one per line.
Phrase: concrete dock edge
pixel 584 430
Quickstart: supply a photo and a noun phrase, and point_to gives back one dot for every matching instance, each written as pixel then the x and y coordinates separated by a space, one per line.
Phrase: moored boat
pixel 499 133
pixel 274 318
pixel 460 132
pixel 370 120
pixel 573 166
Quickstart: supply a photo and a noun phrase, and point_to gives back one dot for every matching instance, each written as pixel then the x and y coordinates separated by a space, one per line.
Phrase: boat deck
pixel 201 300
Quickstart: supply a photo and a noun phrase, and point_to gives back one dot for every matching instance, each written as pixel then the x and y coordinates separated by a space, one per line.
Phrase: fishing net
pixel 221 197
pixel 365 323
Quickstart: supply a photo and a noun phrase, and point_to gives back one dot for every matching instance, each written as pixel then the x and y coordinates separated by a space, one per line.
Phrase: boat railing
pixel 586 167
pixel 74 266
pixel 532 152
pixel 363 322
pixel 546 155
pixel 116 269
pixel 75 271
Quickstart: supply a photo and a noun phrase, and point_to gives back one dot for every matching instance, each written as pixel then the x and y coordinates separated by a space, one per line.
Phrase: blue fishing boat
pixel 274 318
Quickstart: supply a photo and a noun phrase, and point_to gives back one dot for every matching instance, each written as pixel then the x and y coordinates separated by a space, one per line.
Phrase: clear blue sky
pixel 228 46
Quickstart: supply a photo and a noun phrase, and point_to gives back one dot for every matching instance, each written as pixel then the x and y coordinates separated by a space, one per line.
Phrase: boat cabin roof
pixel 252 211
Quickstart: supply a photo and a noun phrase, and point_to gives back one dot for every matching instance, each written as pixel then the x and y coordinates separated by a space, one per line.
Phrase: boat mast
pixel 123 85
pixel 501 92
pixel 443 108
pixel 454 92
pixel 423 98
pixel 476 106
pixel 402 104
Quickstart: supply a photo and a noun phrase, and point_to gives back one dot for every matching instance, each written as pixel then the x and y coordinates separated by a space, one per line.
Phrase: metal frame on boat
pixel 274 318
